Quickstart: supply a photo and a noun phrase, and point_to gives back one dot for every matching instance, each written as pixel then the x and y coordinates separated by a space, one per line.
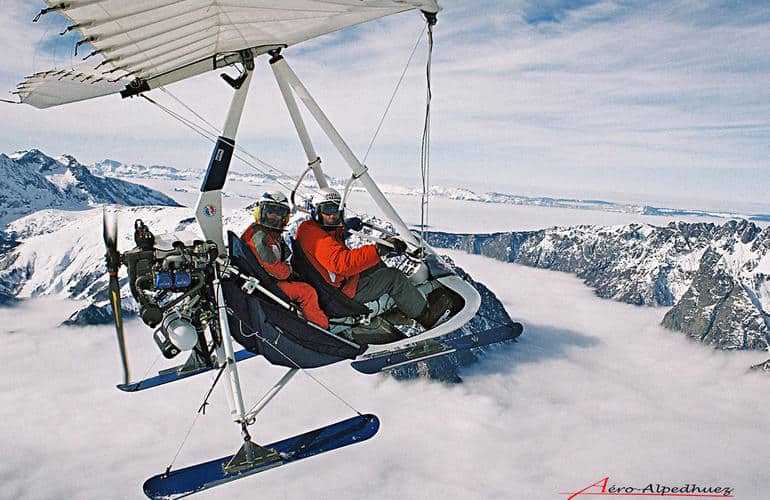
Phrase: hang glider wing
pixel 151 43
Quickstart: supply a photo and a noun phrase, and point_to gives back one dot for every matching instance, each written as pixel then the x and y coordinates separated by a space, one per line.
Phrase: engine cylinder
pixel 180 331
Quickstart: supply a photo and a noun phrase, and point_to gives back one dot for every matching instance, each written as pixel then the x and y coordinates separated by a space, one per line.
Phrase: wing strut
pixel 314 161
pixel 209 209
pixel 286 76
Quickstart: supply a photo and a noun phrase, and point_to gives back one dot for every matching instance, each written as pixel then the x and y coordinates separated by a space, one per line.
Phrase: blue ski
pixel 176 373
pixel 183 482
pixel 432 348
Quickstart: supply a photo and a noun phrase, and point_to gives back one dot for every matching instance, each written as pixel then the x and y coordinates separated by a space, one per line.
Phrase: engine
pixel 173 289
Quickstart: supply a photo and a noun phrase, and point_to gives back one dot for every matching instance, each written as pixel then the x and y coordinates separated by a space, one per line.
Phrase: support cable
pixel 211 137
pixel 290 360
pixel 201 411
pixel 393 96
pixel 425 152
pixel 213 132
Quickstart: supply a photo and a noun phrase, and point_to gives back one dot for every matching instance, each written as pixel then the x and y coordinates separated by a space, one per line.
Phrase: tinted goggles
pixel 329 208
pixel 275 209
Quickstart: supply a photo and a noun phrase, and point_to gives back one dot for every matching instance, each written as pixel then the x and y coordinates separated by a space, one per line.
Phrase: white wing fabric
pixel 168 40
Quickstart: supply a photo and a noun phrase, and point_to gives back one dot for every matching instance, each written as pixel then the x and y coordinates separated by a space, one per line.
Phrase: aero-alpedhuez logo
pixel 687 490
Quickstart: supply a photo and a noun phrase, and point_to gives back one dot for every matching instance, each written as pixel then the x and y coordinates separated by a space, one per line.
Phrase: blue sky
pixel 658 102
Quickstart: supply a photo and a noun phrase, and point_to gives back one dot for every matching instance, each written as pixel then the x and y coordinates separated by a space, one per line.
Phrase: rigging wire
pixel 425 152
pixel 290 360
pixel 213 132
pixel 211 137
pixel 201 411
pixel 188 108
pixel 393 96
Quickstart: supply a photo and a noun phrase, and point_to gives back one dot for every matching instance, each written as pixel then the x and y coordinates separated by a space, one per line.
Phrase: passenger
pixel 264 238
pixel 359 273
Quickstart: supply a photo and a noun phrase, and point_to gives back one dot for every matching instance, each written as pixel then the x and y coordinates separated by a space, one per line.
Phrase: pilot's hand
pixel 354 224
pixel 397 245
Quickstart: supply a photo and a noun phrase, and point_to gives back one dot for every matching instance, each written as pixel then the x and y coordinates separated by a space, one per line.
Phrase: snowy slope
pixel 34 181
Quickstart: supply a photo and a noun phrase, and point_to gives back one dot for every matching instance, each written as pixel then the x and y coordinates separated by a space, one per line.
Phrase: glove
pixel 398 246
pixel 354 224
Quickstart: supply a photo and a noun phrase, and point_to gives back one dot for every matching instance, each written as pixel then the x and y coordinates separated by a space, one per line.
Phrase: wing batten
pixel 163 40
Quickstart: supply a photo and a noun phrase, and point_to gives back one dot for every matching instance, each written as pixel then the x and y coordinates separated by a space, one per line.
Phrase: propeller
pixel 110 233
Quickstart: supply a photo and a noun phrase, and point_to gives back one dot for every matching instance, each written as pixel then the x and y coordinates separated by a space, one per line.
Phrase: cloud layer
pixel 593 389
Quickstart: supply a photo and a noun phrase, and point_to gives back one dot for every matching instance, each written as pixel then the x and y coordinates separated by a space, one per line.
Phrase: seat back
pixel 244 259
pixel 334 303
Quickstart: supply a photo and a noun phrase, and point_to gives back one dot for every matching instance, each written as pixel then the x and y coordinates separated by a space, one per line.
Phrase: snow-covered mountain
pixel 715 277
pixel 112 168
pixel 61 253
pixel 33 181
pixel 117 169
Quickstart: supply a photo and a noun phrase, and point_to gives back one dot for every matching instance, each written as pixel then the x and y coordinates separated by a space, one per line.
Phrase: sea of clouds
pixel 593 389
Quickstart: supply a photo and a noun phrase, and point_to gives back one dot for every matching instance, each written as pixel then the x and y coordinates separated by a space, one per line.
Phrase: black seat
pixel 282 337
pixel 266 328
pixel 244 259
pixel 333 302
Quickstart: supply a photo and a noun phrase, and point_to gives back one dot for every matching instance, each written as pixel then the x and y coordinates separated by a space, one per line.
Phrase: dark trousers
pixel 378 280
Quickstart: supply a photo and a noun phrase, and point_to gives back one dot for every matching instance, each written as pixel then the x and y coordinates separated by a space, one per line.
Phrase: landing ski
pixel 176 373
pixel 184 482
pixel 432 348
pixel 764 366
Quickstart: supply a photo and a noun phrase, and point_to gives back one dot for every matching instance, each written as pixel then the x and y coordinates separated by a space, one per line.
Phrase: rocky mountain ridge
pixel 34 181
pixel 715 278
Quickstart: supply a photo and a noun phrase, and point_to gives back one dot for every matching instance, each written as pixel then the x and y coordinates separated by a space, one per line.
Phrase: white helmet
pixel 327 202
pixel 272 210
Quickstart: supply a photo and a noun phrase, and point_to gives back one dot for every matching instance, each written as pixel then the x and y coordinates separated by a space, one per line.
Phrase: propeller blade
pixel 110 231
pixel 118 316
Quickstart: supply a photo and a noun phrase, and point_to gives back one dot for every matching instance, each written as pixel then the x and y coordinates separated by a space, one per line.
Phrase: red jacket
pixel 338 264
pixel 270 249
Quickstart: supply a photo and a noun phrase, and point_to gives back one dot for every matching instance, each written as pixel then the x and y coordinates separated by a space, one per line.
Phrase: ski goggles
pixel 329 208
pixel 274 210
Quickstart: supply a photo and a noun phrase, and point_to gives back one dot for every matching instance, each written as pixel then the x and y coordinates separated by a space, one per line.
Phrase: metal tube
pixel 359 170
pixel 271 394
pixel 287 306
pixel 238 410
pixel 314 161
pixel 208 212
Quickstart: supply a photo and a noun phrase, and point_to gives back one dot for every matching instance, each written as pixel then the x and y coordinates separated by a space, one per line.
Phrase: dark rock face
pixel 714 277
pixel 95 315
pixel 445 368
pixel 718 310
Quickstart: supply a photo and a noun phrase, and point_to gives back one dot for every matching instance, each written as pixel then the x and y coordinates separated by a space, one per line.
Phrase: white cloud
pixel 593 389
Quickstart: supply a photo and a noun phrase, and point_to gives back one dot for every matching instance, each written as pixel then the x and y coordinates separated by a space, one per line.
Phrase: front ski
pixel 432 348
pixel 763 366
pixel 183 482
pixel 176 373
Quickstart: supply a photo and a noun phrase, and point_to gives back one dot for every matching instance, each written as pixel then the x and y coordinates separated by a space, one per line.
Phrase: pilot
pixel 264 238
pixel 359 272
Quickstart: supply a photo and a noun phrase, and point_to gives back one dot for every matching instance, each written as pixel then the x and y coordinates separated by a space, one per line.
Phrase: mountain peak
pixel 34 158
pixel 34 181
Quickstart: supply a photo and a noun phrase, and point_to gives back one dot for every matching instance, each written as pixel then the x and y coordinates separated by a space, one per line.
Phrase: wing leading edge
pixel 163 41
